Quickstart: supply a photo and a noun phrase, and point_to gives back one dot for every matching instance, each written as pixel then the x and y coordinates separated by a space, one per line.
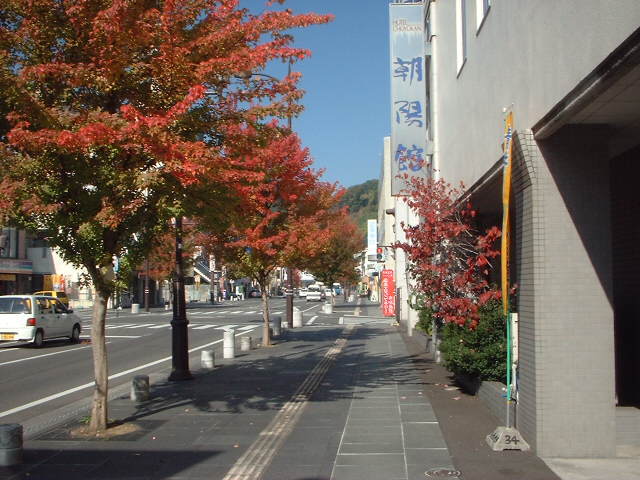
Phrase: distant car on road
pixel 314 294
pixel 302 293
pixel 255 293
pixel 62 296
pixel 36 318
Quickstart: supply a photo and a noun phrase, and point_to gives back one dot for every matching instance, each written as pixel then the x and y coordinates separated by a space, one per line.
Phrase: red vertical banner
pixel 388 293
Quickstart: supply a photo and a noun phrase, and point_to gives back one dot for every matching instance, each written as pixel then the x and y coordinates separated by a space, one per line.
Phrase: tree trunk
pixel 101 372
pixel 266 336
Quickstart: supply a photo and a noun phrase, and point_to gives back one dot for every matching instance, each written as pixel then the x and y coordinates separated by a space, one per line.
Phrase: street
pixel 43 383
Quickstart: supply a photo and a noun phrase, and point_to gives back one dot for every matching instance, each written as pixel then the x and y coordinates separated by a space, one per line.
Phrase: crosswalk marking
pixel 202 327
pixel 248 327
pixel 165 325
pixel 141 326
pixel 119 326
pixel 226 327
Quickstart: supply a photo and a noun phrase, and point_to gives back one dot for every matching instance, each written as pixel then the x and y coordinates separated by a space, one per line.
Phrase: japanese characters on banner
pixel 372 236
pixel 409 112
pixel 388 287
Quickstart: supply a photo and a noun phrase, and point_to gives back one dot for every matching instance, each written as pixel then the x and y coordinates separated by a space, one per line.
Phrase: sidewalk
pixel 339 403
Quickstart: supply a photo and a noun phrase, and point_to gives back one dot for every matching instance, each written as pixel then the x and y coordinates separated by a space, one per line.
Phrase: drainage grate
pixel 442 473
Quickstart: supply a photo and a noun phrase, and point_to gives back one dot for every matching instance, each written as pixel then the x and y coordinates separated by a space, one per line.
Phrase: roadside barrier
pixel 297 317
pixel 207 359
pixel 276 326
pixel 229 344
pixel 245 344
pixel 10 444
pixel 140 388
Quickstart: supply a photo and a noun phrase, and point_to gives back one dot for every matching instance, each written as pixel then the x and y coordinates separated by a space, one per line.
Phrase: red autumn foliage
pixel 449 259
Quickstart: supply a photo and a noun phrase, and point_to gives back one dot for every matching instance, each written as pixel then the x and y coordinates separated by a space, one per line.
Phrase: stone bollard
pixel 10 444
pixel 135 308
pixel 207 359
pixel 229 344
pixel 351 299
pixel 245 344
pixel 297 317
pixel 327 308
pixel 140 388
pixel 276 326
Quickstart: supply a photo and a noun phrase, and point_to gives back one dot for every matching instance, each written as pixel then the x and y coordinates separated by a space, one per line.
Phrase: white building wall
pixel 526 53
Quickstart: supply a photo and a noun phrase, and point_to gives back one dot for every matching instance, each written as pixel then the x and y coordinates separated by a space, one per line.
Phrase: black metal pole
pixel 179 340
pixel 289 270
pixel 146 287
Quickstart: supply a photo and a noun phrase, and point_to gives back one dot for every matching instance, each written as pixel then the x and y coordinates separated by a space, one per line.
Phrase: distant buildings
pixel 570 73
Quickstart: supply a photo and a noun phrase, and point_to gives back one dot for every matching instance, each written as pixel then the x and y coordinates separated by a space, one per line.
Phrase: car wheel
pixel 75 334
pixel 38 339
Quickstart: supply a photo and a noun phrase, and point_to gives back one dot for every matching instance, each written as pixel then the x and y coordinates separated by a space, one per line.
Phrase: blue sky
pixel 346 80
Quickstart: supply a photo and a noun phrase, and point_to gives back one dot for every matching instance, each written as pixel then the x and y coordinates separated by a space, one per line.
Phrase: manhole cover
pixel 442 473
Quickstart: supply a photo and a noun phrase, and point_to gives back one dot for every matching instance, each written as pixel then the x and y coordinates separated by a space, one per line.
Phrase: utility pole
pixel 179 339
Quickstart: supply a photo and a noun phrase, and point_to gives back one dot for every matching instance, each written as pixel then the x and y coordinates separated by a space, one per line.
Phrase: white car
pixel 35 318
pixel 302 293
pixel 314 295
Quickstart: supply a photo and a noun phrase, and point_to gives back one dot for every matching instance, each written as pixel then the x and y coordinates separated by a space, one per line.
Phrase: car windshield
pixel 15 305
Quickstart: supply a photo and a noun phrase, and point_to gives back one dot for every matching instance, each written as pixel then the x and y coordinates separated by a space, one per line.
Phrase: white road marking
pixel 203 327
pixel 92 383
pixel 42 356
pixel 141 326
pixel 227 327
pixel 166 325
pixel 10 348
pixel 313 319
pixel 114 336
pixel 120 326
pixel 248 327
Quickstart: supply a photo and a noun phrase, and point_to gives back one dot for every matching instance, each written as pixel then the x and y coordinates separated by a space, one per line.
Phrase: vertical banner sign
pixel 388 294
pixel 408 94
pixel 506 193
pixel 372 237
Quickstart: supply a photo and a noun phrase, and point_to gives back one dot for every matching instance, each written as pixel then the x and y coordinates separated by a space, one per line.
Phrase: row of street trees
pixel 118 115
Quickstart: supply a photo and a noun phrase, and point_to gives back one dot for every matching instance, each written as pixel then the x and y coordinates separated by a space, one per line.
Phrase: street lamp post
pixel 179 339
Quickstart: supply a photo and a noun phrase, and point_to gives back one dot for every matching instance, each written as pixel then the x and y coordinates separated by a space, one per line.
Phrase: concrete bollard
pixel 207 359
pixel 229 344
pixel 135 308
pixel 245 344
pixel 327 308
pixel 297 317
pixel 276 326
pixel 10 444
pixel 351 299
pixel 140 388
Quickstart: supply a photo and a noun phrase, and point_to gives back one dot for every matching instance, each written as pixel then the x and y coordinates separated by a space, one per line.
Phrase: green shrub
pixel 481 352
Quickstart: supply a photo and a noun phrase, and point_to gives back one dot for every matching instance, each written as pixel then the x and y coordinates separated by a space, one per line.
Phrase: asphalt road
pixel 40 384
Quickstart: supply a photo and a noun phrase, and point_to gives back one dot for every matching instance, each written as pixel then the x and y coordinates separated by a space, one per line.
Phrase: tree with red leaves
pixel 448 259
pixel 332 258
pixel 118 110
pixel 280 198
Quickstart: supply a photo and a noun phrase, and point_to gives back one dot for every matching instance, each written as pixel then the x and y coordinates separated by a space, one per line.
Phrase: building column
pixel 562 252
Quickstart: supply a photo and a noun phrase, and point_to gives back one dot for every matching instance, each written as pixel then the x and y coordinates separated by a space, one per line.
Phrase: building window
pixel 461 33
pixel 482 8
pixel 8 243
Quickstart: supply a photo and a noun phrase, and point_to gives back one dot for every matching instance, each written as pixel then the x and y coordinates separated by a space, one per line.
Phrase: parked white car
pixel 35 318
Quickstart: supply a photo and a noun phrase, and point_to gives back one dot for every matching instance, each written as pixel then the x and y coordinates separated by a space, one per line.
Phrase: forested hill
pixel 362 201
